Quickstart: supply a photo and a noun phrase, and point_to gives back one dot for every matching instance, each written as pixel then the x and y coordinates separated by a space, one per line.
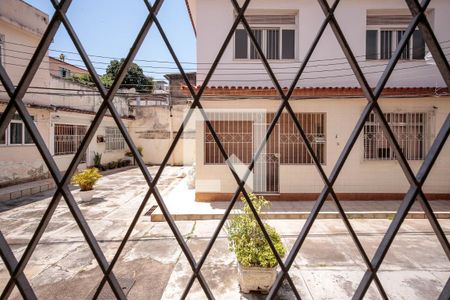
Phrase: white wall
pixel 85 98
pixel 63 161
pixel 214 18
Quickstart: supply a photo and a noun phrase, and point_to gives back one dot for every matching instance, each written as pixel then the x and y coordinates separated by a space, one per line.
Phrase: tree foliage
pixel 135 77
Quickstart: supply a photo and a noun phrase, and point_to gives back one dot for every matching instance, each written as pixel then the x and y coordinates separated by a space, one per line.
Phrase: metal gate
pixel 17 93
pixel 266 175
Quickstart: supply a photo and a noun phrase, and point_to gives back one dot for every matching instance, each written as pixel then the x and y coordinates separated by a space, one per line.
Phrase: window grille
pixel 235 131
pixel 292 148
pixel 238 137
pixel 411 132
pixel 114 139
pixel 68 138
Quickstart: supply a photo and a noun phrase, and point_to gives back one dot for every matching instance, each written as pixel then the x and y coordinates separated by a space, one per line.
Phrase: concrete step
pixel 26 189
pixel 157 215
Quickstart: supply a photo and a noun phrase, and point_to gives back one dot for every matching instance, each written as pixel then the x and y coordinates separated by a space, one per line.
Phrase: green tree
pixel 135 77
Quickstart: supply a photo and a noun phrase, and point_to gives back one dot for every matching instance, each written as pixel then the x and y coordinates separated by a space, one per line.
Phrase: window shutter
pixel 418 45
pixel 288 47
pixel 371 44
pixel 388 19
pixel 273 44
pixel 253 52
pixel 271 19
pixel 386 44
pixel 240 44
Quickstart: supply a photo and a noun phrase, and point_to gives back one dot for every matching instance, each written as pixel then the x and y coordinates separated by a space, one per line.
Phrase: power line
pixel 278 73
pixel 235 69
pixel 184 62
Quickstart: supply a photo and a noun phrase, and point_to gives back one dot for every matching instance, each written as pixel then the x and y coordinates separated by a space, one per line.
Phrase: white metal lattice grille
pixel 68 138
pixel 114 139
pixel 292 148
pixel 410 129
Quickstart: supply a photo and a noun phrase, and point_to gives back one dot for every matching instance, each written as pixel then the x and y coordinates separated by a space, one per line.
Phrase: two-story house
pixel 62 109
pixel 241 99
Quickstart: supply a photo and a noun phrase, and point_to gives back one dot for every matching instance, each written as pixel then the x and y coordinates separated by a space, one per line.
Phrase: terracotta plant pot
pixel 256 279
pixel 86 195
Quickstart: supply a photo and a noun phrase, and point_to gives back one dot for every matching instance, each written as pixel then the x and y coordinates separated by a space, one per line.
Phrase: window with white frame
pixel 384 33
pixel 410 129
pixel 16 133
pixel 114 139
pixel 276 35
pixel 67 138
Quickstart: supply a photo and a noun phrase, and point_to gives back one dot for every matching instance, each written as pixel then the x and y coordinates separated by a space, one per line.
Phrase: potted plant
pixel 128 153
pixel 257 265
pixel 86 179
pixel 97 159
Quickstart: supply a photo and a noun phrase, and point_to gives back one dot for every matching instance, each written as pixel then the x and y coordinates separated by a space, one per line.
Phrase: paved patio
pixel 183 207
pixel 153 265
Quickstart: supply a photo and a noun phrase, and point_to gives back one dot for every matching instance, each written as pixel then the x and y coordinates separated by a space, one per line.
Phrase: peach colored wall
pixel 358 175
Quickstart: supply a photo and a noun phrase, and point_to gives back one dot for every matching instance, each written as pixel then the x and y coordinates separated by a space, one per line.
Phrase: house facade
pixel 60 68
pixel 62 109
pixel 241 99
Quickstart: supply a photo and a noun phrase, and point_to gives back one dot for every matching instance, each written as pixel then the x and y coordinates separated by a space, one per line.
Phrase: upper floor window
pixel 275 34
pixel 64 73
pixel 384 33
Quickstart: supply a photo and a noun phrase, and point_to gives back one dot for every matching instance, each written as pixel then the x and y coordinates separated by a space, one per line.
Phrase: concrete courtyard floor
pixel 153 265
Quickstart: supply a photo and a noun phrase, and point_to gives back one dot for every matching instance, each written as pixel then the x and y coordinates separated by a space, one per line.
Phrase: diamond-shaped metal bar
pixel 223 152
pixel 32 67
pixel 152 186
pixel 16 103
pixel 416 182
pixel 430 39
pixel 445 295
pixel 108 100
pixel 372 104
pixel 10 261
pixel 408 201
pixel 274 122
pixel 74 209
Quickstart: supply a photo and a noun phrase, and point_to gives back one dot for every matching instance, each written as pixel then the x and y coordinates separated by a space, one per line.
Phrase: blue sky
pixel 109 27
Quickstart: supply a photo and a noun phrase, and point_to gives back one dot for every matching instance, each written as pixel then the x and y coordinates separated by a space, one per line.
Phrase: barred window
pixel 68 138
pixel 292 148
pixel 114 139
pixel 239 137
pixel 410 129
pixel 236 137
